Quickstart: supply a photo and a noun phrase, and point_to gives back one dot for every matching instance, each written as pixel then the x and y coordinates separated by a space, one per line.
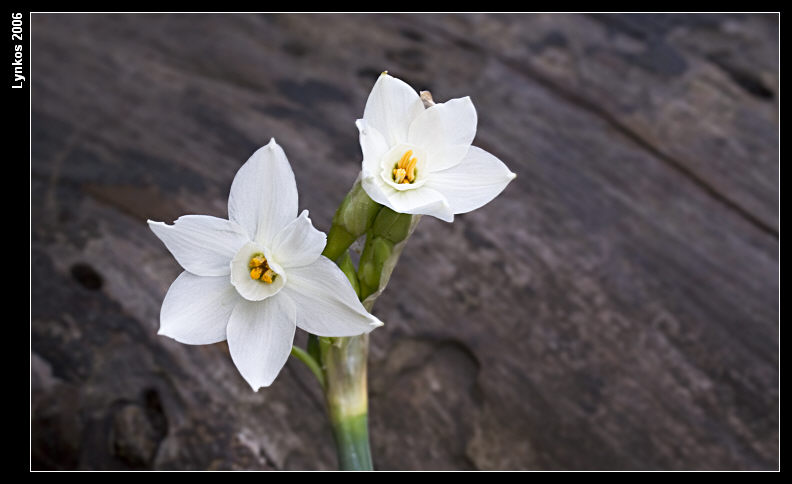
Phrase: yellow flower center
pixel 260 270
pixel 404 170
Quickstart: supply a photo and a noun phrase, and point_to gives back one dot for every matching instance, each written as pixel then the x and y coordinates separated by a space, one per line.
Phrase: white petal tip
pixel 256 386
pixel 376 323
pixel 512 176
pixel 164 333
pixel 259 386
pixel 448 216
pixel 271 146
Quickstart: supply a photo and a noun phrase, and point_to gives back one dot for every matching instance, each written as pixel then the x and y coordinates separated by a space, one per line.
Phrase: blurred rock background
pixel 615 308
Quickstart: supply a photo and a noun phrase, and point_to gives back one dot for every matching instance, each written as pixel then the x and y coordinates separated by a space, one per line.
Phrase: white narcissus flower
pixel 420 160
pixel 256 277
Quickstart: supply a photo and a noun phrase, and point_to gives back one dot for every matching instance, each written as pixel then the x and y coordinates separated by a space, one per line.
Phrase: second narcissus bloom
pixel 254 278
pixel 420 160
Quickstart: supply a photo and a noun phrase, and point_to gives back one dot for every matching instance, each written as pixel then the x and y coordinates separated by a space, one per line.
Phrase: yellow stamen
pixel 267 276
pixel 260 269
pixel 411 170
pixel 405 159
pixel 404 171
pixel 256 272
pixel 399 174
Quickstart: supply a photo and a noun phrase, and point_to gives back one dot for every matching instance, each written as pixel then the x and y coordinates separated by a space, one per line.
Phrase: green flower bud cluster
pixel 384 241
pixel 351 220
pixel 385 231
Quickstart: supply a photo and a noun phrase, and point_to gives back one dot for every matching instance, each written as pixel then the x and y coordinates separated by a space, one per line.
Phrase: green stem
pixel 352 441
pixel 311 363
pixel 346 394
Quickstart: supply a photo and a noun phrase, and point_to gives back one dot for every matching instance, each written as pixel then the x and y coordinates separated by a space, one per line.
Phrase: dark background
pixel 615 308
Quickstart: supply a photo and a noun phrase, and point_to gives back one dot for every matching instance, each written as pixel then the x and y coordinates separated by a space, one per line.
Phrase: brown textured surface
pixel 615 308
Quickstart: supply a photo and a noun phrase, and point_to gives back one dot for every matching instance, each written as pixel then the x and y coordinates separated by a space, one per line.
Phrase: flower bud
pixel 348 268
pixel 373 258
pixel 352 219
pixel 391 226
pixel 384 243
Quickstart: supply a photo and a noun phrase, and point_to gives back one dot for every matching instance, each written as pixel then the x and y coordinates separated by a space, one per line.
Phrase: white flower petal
pixel 391 107
pixel 299 243
pixel 260 338
pixel 479 178
pixel 201 244
pixel 196 309
pixel 376 188
pixel 263 196
pixel 326 303
pixel 247 287
pixel 447 157
pixel 419 201
pixel 373 145
pixel 445 131
pixel 422 201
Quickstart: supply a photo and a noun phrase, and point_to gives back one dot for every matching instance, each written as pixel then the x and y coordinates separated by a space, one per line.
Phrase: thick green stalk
pixel 352 441
pixel 346 393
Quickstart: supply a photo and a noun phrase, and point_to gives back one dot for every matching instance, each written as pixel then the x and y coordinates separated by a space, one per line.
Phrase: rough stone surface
pixel 615 308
